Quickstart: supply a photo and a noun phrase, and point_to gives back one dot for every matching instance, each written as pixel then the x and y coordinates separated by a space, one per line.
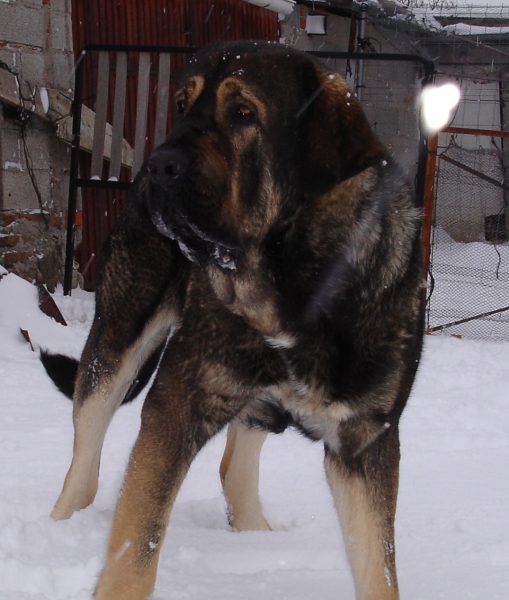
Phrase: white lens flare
pixel 438 104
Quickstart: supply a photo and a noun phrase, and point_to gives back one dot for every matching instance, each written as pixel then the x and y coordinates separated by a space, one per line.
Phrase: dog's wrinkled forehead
pixel 270 72
pixel 305 111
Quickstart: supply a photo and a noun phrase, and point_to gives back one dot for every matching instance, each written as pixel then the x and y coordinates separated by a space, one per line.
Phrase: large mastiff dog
pixel 270 249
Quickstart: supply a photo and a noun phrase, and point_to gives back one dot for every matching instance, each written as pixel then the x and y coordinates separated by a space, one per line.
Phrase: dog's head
pixel 261 130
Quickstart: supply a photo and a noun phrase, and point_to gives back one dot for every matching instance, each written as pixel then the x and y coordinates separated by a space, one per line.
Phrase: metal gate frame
pixel 75 182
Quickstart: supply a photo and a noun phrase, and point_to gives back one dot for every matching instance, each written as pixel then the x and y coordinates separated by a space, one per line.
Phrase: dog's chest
pixel 311 408
pixel 251 296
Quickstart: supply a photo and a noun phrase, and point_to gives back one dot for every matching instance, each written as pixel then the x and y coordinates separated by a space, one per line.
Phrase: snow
pixel 453 511
pixel 456 5
pixel 16 166
pixel 44 99
pixel 462 29
pixel 426 13
pixel 470 279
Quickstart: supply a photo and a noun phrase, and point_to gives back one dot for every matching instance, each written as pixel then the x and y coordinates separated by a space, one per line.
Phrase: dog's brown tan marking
pixel 275 238
pixel 234 95
pixel 187 95
pixel 369 537
pixel 239 472
pixel 250 294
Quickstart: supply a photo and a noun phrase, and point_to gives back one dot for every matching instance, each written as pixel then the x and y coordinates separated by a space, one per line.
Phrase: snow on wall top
pixel 455 17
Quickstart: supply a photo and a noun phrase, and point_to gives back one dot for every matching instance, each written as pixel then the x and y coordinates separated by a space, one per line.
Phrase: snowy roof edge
pixel 432 16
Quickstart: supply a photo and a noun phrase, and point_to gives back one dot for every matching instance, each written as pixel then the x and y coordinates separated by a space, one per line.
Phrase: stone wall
pixel 36 44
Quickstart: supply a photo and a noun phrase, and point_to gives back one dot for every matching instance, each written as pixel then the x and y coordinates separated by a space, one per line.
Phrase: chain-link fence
pixel 469 262
pixel 469 274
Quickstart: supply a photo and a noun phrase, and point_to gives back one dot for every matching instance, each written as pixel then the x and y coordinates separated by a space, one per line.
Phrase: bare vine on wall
pixel 22 117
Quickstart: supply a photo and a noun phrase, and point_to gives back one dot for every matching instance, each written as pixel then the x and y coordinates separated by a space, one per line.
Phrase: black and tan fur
pixel 273 245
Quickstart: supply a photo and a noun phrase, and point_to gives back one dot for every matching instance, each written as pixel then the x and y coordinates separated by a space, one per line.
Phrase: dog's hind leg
pixel 138 298
pixel 91 421
pixel 94 409
pixel 239 473
pixel 364 487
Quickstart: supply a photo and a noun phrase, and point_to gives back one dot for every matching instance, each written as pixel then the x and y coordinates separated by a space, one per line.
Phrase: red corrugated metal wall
pixel 190 23
pixel 169 22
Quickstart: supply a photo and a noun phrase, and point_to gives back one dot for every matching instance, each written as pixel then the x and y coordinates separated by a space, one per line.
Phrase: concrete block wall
pixel 36 44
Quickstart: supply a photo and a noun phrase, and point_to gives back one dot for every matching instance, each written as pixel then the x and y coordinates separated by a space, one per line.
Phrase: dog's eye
pixel 242 112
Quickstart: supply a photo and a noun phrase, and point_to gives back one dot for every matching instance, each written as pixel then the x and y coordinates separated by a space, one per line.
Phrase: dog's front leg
pixel 156 469
pixel 178 417
pixel 363 478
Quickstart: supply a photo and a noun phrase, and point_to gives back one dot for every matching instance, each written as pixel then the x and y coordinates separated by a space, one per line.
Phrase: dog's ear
pixel 337 141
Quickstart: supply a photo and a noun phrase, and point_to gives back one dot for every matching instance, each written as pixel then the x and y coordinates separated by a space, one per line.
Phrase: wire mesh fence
pixel 469 275
pixel 465 39
pixel 469 262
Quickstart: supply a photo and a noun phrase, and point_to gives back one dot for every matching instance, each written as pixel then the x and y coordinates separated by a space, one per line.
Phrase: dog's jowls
pixel 273 245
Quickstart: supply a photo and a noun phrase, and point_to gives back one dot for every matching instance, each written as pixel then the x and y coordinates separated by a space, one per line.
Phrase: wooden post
pixel 504 146
pixel 428 203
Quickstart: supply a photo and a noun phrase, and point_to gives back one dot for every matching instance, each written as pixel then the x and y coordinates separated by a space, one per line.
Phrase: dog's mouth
pixel 180 211
pixel 195 244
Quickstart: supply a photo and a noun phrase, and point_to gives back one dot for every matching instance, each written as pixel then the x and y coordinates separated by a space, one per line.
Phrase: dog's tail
pixel 63 370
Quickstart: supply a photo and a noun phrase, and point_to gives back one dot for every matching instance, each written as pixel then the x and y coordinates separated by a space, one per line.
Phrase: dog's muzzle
pixel 167 170
pixel 166 165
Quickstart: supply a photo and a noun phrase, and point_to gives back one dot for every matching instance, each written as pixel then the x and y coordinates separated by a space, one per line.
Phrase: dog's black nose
pixel 169 162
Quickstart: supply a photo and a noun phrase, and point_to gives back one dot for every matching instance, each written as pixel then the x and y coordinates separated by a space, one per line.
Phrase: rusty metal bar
pixel 428 202
pixel 471 131
pixel 475 172
pixel 467 320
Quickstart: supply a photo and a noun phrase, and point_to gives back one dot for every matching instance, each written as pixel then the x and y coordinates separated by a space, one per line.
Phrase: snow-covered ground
pixel 453 511
pixel 470 279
